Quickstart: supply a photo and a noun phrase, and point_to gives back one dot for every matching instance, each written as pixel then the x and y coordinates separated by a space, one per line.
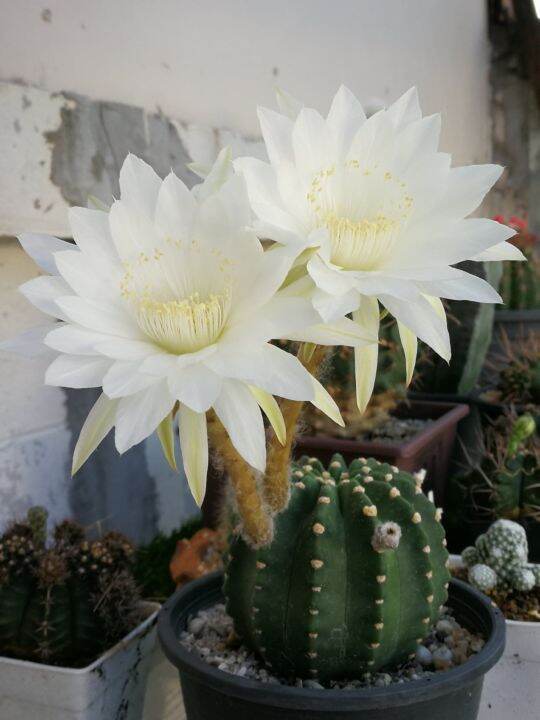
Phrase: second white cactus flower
pixel 377 215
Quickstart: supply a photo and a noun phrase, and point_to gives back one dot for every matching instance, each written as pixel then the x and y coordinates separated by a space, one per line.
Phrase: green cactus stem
pixel 354 578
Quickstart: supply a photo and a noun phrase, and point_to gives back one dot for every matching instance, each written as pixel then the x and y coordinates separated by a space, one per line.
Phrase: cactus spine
pixel 354 578
pixel 66 603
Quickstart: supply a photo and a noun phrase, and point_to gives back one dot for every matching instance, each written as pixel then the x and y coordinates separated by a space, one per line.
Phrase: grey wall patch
pixel 116 491
pixel 93 139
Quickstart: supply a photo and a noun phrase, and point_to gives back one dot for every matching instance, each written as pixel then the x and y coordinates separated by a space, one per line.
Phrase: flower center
pixel 180 300
pixel 184 326
pixel 364 210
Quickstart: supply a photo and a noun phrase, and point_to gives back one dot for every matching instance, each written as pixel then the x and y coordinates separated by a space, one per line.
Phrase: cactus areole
pixel 354 578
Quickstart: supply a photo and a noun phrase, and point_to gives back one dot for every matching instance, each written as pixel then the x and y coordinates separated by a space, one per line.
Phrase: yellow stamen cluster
pixel 363 218
pixel 184 326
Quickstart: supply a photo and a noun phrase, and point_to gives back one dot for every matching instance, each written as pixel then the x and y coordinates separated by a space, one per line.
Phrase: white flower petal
pixel 133 233
pixel 165 433
pixel 344 119
pixel 467 187
pixel 311 142
pixel 138 415
pixel 267 367
pixel 463 286
pixel 100 316
pixel 73 340
pixel 329 278
pixel 340 332
pixel 416 139
pixel 276 130
pixel 325 402
pixel 97 425
pixel 288 105
pixel 220 172
pixel 194 447
pixel 29 343
pixel 92 234
pixel 77 371
pixel 44 291
pixel 280 318
pixel 139 185
pixel 406 109
pixel 501 251
pixel 240 415
pixel 271 409
pixel 195 386
pixel 176 209
pixel 420 317
pixel 41 249
pixel 409 342
pixel 85 278
pixel 365 359
pixel 333 307
pixel 125 349
pixel 125 378
pixel 162 364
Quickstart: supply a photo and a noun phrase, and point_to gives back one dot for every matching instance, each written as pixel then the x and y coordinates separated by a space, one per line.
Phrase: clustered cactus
pixel 505 483
pixel 66 602
pixel 499 559
pixel 354 579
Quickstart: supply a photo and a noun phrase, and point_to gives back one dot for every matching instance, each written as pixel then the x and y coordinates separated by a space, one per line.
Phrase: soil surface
pixel 398 429
pixel 211 634
pixel 514 605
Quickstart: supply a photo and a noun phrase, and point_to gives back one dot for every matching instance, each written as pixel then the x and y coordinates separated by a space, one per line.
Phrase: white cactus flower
pixel 166 302
pixel 377 216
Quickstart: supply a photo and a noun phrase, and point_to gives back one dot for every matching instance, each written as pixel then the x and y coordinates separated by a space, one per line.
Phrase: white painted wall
pixel 211 61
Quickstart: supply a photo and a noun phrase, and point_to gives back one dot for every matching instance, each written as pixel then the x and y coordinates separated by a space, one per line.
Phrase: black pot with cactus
pixel 355 576
pixel 66 601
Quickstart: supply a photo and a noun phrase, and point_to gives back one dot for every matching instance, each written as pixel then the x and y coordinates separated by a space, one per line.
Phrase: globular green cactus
pixel 66 603
pixel 354 578
pixel 499 559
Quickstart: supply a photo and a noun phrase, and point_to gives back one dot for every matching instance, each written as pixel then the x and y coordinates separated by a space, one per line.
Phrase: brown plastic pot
pixel 430 449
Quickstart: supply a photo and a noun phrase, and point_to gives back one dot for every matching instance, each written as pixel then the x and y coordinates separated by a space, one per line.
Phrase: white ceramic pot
pixel 111 688
pixel 512 687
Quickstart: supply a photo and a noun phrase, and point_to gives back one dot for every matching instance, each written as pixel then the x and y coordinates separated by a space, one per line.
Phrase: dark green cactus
pixel 66 603
pixel 520 286
pixel 354 578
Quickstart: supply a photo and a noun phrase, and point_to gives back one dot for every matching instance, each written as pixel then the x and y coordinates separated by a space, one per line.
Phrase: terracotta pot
pixel 430 449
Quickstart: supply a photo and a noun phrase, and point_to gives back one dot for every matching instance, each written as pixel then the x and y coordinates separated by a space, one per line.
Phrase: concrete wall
pixel 84 83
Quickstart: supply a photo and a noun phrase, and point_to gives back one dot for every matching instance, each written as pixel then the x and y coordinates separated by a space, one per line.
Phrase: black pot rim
pixel 191 665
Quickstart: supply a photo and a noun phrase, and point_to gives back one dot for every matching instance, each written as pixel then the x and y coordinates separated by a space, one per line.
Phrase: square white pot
pixel 111 688
pixel 512 687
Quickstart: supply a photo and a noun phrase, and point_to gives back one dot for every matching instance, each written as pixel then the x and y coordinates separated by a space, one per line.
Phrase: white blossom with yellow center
pixel 168 302
pixel 376 216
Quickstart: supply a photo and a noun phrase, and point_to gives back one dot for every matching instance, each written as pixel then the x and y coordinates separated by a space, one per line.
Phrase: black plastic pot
pixel 210 694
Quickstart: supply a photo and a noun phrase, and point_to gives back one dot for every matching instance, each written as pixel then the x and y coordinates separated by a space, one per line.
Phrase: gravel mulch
pixel 211 634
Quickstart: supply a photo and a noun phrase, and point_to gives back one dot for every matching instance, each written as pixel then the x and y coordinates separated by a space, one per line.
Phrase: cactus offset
pixel 499 559
pixel 354 578
pixel 66 603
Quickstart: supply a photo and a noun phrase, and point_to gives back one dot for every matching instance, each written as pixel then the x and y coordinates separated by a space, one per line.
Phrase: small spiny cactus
pixel 66 603
pixel 499 559
pixel 355 577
